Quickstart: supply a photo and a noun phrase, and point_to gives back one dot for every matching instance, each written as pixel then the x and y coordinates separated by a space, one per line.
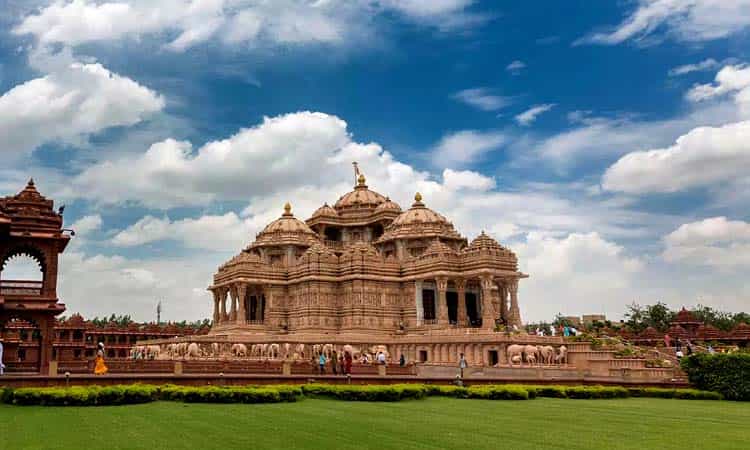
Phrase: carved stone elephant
pixel 562 355
pixel 514 351
pixel 273 351
pixel 193 351
pixel 547 354
pixel 300 348
pixel 286 350
pixel 239 350
pixel 531 352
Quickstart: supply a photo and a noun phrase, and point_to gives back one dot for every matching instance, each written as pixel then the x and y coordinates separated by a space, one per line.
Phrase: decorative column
pixel 488 311
pixel 223 304
pixel 461 315
pixel 514 314
pixel 418 301
pixel 442 302
pixel 217 297
pixel 233 303
pixel 503 290
pixel 242 313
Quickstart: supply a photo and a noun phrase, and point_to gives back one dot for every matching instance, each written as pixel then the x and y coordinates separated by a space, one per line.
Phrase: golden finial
pixel 417 197
pixel 287 209
pixel 361 180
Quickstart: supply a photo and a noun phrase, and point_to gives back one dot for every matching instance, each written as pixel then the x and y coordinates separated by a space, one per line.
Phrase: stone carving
pixel 239 350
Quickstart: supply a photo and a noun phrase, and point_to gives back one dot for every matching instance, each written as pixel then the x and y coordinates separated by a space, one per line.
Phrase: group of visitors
pixel 341 363
pixel 678 346
pixel 552 331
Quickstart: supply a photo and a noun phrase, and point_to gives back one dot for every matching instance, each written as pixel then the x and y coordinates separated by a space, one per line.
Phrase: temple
pixel 364 268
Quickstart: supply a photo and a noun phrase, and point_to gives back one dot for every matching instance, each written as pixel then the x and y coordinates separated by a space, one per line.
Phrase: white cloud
pixel 70 104
pixel 466 179
pixel 716 242
pixel 702 157
pixel 87 224
pixel 186 23
pixel 211 232
pixel 483 98
pixel 706 64
pixel 466 146
pixel 515 67
pixel 683 20
pixel 733 80
pixel 580 273
pixel 528 117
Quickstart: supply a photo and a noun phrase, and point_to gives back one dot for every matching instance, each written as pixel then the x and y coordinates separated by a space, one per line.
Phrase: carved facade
pixel 365 267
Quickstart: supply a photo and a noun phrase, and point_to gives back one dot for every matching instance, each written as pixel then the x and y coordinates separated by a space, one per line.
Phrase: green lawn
pixel 426 424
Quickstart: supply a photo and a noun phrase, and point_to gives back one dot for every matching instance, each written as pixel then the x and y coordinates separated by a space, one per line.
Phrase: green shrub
pixel 726 373
pixel 550 391
pixel 684 394
pixel 434 390
pixel 83 396
pixel 502 392
pixel 385 393
pixel 596 392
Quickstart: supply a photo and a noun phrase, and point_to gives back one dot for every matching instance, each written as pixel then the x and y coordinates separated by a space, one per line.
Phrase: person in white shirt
pixel 2 366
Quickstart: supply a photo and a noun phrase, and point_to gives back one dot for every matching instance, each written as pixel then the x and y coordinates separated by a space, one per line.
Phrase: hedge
pixel 131 394
pixel 726 373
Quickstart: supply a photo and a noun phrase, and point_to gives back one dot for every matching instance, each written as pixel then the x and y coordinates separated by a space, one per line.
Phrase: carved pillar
pixel 418 301
pixel 488 310
pixel 442 302
pixel 241 299
pixel 223 304
pixel 514 314
pixel 217 298
pixel 233 303
pixel 461 314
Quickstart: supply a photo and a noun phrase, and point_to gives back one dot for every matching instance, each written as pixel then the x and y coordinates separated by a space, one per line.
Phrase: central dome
pixel 360 198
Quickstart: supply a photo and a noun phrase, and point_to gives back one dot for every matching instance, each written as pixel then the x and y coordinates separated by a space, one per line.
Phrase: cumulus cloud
pixel 682 20
pixel 702 157
pixel 227 232
pixel 483 99
pixel 731 80
pixel 69 104
pixel 466 146
pixel 706 64
pixel 87 224
pixel 716 242
pixel 579 273
pixel 186 23
pixel 528 117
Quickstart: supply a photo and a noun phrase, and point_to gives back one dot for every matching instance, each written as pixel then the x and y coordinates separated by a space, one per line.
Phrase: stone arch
pixel 26 250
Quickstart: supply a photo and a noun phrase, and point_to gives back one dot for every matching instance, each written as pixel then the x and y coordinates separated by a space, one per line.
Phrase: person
pixel 462 364
pixel 552 330
pixel 322 363
pixel 381 358
pixel 678 345
pixel 566 331
pixel 2 366
pixel 667 340
pixel 574 331
pixel 679 355
pixel 365 359
pixel 342 364
pixel 100 368
pixel 402 360
pixel 689 347
pixel 334 362
pixel 347 363
pixel 711 349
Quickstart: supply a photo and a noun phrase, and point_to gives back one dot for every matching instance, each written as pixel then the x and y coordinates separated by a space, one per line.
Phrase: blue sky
pixel 605 142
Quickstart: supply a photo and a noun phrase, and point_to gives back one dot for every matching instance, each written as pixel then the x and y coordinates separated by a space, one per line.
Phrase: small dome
pixel 438 248
pixel 286 230
pixel 419 213
pixel 325 211
pixel 388 205
pixel 360 198
pixel 484 241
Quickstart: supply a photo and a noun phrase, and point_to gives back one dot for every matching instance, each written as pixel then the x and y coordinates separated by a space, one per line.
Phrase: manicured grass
pixel 635 423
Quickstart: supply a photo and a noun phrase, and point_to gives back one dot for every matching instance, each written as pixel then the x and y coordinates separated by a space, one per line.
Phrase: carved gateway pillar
pixel 223 304
pixel 488 310
pixel 514 314
pixel 233 302
pixel 461 310
pixel 217 298
pixel 442 301
pixel 242 312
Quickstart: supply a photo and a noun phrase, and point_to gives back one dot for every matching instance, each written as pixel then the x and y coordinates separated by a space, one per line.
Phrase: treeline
pixel 125 320
pixel 659 316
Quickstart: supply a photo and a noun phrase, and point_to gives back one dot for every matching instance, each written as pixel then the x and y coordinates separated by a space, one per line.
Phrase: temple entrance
pixel 423 356
pixel 451 299
pixel 254 309
pixel 492 357
pixel 428 304
pixel 471 310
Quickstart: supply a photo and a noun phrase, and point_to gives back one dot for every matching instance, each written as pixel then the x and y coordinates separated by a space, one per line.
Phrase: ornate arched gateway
pixel 30 227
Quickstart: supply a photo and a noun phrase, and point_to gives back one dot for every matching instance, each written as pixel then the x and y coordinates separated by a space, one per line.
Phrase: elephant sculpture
pixel 562 355
pixel 272 351
pixel 286 350
pixel 193 351
pixel 546 354
pixel 239 350
pixel 300 349
pixel 530 352
pixel 514 353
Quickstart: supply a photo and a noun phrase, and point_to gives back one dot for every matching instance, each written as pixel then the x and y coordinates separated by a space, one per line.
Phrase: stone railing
pixel 20 287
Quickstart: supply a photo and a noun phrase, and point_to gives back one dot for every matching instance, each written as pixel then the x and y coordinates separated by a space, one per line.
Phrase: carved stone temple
pixel 366 271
